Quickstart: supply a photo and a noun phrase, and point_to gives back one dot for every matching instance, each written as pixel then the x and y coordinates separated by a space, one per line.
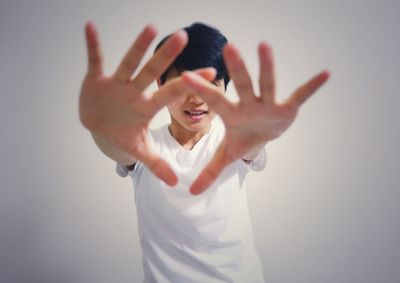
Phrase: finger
pixel 211 172
pixel 95 63
pixel 238 73
pixel 211 94
pixel 307 89
pixel 175 88
pixel 159 167
pixel 208 73
pixel 161 60
pixel 267 76
pixel 135 54
pixel 171 90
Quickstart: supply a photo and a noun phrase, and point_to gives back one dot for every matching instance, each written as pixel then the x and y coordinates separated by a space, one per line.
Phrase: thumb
pixel 160 168
pixel 211 172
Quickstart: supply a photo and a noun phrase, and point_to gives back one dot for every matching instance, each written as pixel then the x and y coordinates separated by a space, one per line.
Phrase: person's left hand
pixel 254 120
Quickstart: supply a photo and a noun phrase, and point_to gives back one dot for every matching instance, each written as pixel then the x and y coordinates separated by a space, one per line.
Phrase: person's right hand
pixel 116 110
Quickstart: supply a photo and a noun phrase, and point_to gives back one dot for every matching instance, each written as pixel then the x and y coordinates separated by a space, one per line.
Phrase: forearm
pixel 114 153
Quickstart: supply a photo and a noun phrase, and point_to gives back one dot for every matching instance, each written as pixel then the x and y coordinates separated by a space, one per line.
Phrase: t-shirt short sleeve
pixel 121 170
pixel 258 163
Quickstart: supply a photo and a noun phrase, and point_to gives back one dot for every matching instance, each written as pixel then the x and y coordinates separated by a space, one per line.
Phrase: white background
pixel 325 210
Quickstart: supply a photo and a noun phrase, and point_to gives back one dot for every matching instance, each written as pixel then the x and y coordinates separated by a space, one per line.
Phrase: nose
pixel 195 99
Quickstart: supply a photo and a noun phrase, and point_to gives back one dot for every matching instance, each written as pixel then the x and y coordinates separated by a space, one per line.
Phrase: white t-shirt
pixel 189 238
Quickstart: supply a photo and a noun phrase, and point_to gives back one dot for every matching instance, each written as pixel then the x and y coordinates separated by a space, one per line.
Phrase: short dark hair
pixel 204 49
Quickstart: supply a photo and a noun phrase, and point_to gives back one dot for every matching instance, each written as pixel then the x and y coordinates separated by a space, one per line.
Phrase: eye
pixel 216 83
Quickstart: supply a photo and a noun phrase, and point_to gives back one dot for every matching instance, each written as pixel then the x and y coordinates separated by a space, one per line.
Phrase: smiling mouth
pixel 196 113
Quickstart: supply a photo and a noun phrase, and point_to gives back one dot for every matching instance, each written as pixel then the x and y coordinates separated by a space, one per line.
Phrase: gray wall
pixel 326 209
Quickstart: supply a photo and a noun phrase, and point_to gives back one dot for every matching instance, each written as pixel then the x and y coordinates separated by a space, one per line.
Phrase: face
pixel 191 113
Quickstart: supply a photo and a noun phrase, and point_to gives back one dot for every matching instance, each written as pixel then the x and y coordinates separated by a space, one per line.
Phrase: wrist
pixel 116 154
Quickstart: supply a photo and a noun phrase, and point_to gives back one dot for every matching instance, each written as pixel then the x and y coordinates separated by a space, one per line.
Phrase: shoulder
pixel 158 135
pixel 157 132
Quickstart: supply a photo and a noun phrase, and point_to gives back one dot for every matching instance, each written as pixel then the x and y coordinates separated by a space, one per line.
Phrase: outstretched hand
pixel 116 110
pixel 254 120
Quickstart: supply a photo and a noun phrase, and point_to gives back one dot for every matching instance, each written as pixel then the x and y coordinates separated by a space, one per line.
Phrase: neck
pixel 186 138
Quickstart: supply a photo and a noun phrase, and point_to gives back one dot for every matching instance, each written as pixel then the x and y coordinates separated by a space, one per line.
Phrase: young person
pixel 189 175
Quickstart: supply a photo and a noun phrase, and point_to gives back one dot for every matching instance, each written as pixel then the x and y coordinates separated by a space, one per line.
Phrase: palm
pixel 250 125
pixel 254 120
pixel 116 109
pixel 122 117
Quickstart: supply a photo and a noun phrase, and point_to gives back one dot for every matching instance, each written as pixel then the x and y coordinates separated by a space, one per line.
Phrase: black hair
pixel 204 49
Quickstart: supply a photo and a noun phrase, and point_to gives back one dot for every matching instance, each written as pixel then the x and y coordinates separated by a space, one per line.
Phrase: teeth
pixel 196 112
